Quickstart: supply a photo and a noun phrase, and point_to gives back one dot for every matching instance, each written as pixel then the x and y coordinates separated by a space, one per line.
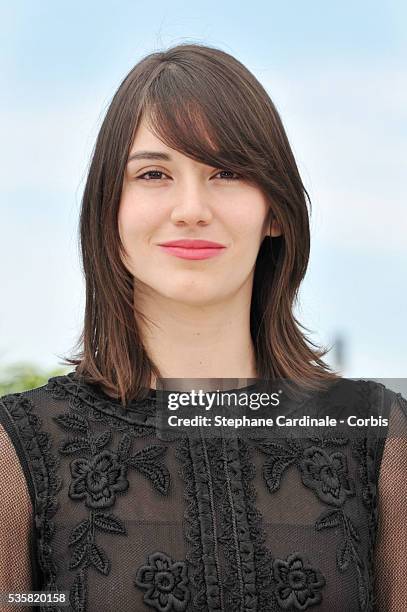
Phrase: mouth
pixel 192 252
pixel 192 248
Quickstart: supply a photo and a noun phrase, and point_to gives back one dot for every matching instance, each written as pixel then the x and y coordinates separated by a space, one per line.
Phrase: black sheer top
pixel 96 504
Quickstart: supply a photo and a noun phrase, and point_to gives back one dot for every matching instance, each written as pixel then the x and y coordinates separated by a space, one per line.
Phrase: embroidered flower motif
pixel 326 474
pixel 165 583
pixel 299 584
pixel 98 479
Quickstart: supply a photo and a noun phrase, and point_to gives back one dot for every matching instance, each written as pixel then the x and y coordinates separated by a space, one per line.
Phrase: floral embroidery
pixel 98 479
pixel 299 584
pixel 164 581
pixel 217 533
pixel 326 474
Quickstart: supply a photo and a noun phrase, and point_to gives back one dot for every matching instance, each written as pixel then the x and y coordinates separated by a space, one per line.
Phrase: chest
pixel 210 524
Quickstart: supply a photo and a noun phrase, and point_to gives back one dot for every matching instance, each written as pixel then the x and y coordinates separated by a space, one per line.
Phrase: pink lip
pixel 192 253
pixel 189 243
pixel 192 249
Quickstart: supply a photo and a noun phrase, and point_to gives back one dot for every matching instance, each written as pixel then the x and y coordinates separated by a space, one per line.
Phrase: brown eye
pixel 154 178
pixel 228 178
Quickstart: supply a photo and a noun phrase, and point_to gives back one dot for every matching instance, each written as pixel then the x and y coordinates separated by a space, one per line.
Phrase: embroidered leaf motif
pixel 124 447
pixel 362 588
pixel 76 403
pixel 72 422
pixel 270 448
pixel 75 445
pixel 325 440
pixel 109 523
pixel 329 518
pixel 77 595
pixel 148 453
pixel 98 558
pixel 158 474
pixel 145 461
pixel 103 439
pixel 352 529
pixel 79 531
pixel 343 555
pixel 273 470
pixel 78 555
pixel 279 460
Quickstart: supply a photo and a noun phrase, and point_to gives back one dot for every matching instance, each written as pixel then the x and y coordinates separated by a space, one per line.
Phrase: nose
pixel 192 204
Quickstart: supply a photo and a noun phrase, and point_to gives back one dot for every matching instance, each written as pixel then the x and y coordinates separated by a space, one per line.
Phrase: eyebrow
pixel 149 155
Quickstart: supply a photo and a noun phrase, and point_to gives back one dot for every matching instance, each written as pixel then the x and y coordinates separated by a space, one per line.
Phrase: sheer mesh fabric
pixel 15 522
pixel 391 546
pixel 125 520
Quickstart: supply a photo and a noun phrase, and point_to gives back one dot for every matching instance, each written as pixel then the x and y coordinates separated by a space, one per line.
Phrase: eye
pixel 154 178
pixel 235 178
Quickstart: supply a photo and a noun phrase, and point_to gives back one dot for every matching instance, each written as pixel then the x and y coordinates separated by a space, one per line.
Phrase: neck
pixel 210 341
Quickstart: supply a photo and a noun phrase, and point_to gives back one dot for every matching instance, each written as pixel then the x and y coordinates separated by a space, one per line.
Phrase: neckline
pixel 152 393
pixel 74 383
pixel 139 415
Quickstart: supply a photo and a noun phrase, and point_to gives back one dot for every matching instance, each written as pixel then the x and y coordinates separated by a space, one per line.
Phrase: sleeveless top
pixel 125 519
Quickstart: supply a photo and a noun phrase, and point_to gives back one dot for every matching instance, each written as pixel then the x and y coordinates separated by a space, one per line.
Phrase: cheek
pixel 134 221
pixel 251 223
pixel 249 213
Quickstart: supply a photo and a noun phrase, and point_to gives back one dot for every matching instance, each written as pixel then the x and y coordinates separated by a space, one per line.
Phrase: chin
pixel 194 296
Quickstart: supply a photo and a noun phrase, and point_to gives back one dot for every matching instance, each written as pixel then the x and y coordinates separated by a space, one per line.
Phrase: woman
pixel 101 504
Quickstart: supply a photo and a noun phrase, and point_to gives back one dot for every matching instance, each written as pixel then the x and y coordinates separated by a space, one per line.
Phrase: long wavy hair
pixel 206 104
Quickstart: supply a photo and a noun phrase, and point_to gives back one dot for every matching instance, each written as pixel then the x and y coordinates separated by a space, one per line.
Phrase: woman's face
pixel 179 198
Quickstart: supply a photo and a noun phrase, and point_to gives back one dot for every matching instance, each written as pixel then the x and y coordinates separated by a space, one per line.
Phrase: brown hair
pixel 204 103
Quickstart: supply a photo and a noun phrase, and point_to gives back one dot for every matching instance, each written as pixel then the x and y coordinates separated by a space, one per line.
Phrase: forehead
pixel 144 137
pixel 192 136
